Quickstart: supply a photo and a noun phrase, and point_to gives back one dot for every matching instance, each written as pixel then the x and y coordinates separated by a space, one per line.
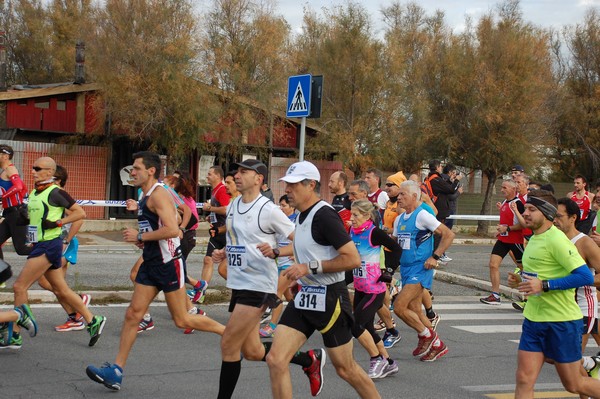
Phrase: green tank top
pixel 39 209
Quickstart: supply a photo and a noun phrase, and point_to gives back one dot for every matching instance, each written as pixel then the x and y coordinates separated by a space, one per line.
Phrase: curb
pixel 467 281
pixel 43 296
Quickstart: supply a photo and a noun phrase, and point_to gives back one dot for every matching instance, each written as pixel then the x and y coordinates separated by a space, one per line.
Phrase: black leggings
pixel 15 226
pixel 365 308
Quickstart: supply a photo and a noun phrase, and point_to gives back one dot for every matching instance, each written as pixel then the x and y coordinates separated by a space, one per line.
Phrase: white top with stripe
pixel 249 224
pixel 586 295
pixel 307 249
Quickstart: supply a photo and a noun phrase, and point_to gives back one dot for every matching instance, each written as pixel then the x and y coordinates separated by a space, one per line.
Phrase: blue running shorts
pixel 52 249
pixel 557 340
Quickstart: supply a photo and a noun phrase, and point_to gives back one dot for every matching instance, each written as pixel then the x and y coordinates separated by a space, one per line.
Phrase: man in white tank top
pixel 324 251
pixel 566 219
pixel 253 223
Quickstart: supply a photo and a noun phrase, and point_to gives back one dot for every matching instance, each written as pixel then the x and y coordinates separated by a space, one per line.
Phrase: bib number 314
pixel 311 298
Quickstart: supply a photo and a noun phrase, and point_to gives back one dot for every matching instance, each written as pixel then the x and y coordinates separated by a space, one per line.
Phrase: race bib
pixel 144 226
pixel 361 271
pixel 236 256
pixel 212 217
pixel 32 234
pixel 404 240
pixel 311 298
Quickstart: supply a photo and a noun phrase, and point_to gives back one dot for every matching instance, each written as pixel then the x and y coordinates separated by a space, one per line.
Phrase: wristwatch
pixel 139 237
pixel 507 229
pixel 313 265
pixel 435 256
pixel 545 286
pixel 275 253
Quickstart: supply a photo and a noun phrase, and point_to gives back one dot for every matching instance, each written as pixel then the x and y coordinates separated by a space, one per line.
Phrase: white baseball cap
pixel 301 171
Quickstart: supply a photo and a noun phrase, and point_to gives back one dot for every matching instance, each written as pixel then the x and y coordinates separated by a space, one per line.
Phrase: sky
pixel 545 13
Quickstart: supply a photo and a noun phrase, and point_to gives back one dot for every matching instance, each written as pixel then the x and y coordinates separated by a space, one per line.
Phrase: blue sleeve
pixel 578 278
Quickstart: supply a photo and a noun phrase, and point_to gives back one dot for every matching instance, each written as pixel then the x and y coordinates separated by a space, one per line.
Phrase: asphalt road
pixel 165 363
pixel 110 269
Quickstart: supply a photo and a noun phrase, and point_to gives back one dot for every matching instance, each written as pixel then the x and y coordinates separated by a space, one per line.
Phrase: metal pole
pixel 302 137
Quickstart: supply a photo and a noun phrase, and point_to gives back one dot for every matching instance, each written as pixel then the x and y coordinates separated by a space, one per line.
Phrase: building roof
pixel 23 91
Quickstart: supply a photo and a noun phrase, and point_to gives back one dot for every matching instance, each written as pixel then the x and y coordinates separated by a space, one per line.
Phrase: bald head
pixel 414 178
pixel 46 162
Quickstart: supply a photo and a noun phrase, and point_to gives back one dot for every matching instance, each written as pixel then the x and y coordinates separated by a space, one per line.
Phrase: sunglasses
pixel 37 168
pixel 390 184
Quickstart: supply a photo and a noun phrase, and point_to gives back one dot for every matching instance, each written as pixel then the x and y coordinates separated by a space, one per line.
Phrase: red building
pixel 43 120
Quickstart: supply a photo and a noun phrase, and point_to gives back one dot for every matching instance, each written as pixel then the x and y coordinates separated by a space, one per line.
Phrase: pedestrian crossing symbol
pixel 298 104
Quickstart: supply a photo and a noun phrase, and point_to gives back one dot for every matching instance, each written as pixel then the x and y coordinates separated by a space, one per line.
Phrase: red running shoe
pixel 314 372
pixel 425 343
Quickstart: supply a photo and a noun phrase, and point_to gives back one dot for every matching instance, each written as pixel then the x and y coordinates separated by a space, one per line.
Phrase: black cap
pixel 6 149
pixel 255 165
pixel 517 168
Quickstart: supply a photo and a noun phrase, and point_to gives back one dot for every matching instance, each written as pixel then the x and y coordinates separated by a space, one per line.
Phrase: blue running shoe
pixel 6 330
pixel 15 342
pixel 26 319
pixel 389 340
pixel 110 375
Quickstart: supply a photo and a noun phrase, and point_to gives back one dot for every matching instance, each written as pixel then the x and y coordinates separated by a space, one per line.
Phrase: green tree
pixel 143 54
pixel 576 127
pixel 243 56
pixel 341 47
pixel 494 103
pixel 415 47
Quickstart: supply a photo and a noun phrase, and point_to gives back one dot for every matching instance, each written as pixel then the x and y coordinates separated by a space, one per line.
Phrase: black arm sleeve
pixel 61 198
pixel 520 207
pixel 392 257
pixel 328 228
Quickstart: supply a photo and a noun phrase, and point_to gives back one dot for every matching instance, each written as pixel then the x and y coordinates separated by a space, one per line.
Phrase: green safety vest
pixel 39 209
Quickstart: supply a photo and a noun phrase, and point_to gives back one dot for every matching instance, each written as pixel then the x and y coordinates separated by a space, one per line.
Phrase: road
pixel 165 363
pixel 103 270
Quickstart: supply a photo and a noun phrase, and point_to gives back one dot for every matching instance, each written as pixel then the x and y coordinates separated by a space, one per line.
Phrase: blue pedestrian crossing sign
pixel 298 103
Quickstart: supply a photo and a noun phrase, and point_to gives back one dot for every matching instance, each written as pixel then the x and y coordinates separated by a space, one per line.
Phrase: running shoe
pixel 6 331
pixel 314 372
pixel 267 331
pixel 434 322
pixel 15 342
pixel 200 292
pixel 26 319
pixel 593 372
pixel 376 367
pixel 146 324
pixel 86 298
pixel 519 305
pixel 389 340
pixel 425 343
pixel 490 300
pixel 193 310
pixel 72 324
pixel 95 329
pixel 389 369
pixel 445 258
pixel 435 352
pixel 266 316
pixel 110 375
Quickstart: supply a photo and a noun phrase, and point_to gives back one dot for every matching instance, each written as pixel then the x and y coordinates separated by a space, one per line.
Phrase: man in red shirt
pixel 217 208
pixel 584 200
pixel 510 238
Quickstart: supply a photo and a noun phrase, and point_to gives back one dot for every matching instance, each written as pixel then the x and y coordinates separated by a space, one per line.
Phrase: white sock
pixel 425 333
pixel 588 363
pixel 147 317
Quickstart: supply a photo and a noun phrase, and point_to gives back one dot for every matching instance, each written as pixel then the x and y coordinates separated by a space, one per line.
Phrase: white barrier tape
pixel 487 218
pixel 115 203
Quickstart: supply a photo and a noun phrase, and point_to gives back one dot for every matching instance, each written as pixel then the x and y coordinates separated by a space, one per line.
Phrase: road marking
pixel 473 306
pixel 480 316
pixel 490 329
pixel 546 394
